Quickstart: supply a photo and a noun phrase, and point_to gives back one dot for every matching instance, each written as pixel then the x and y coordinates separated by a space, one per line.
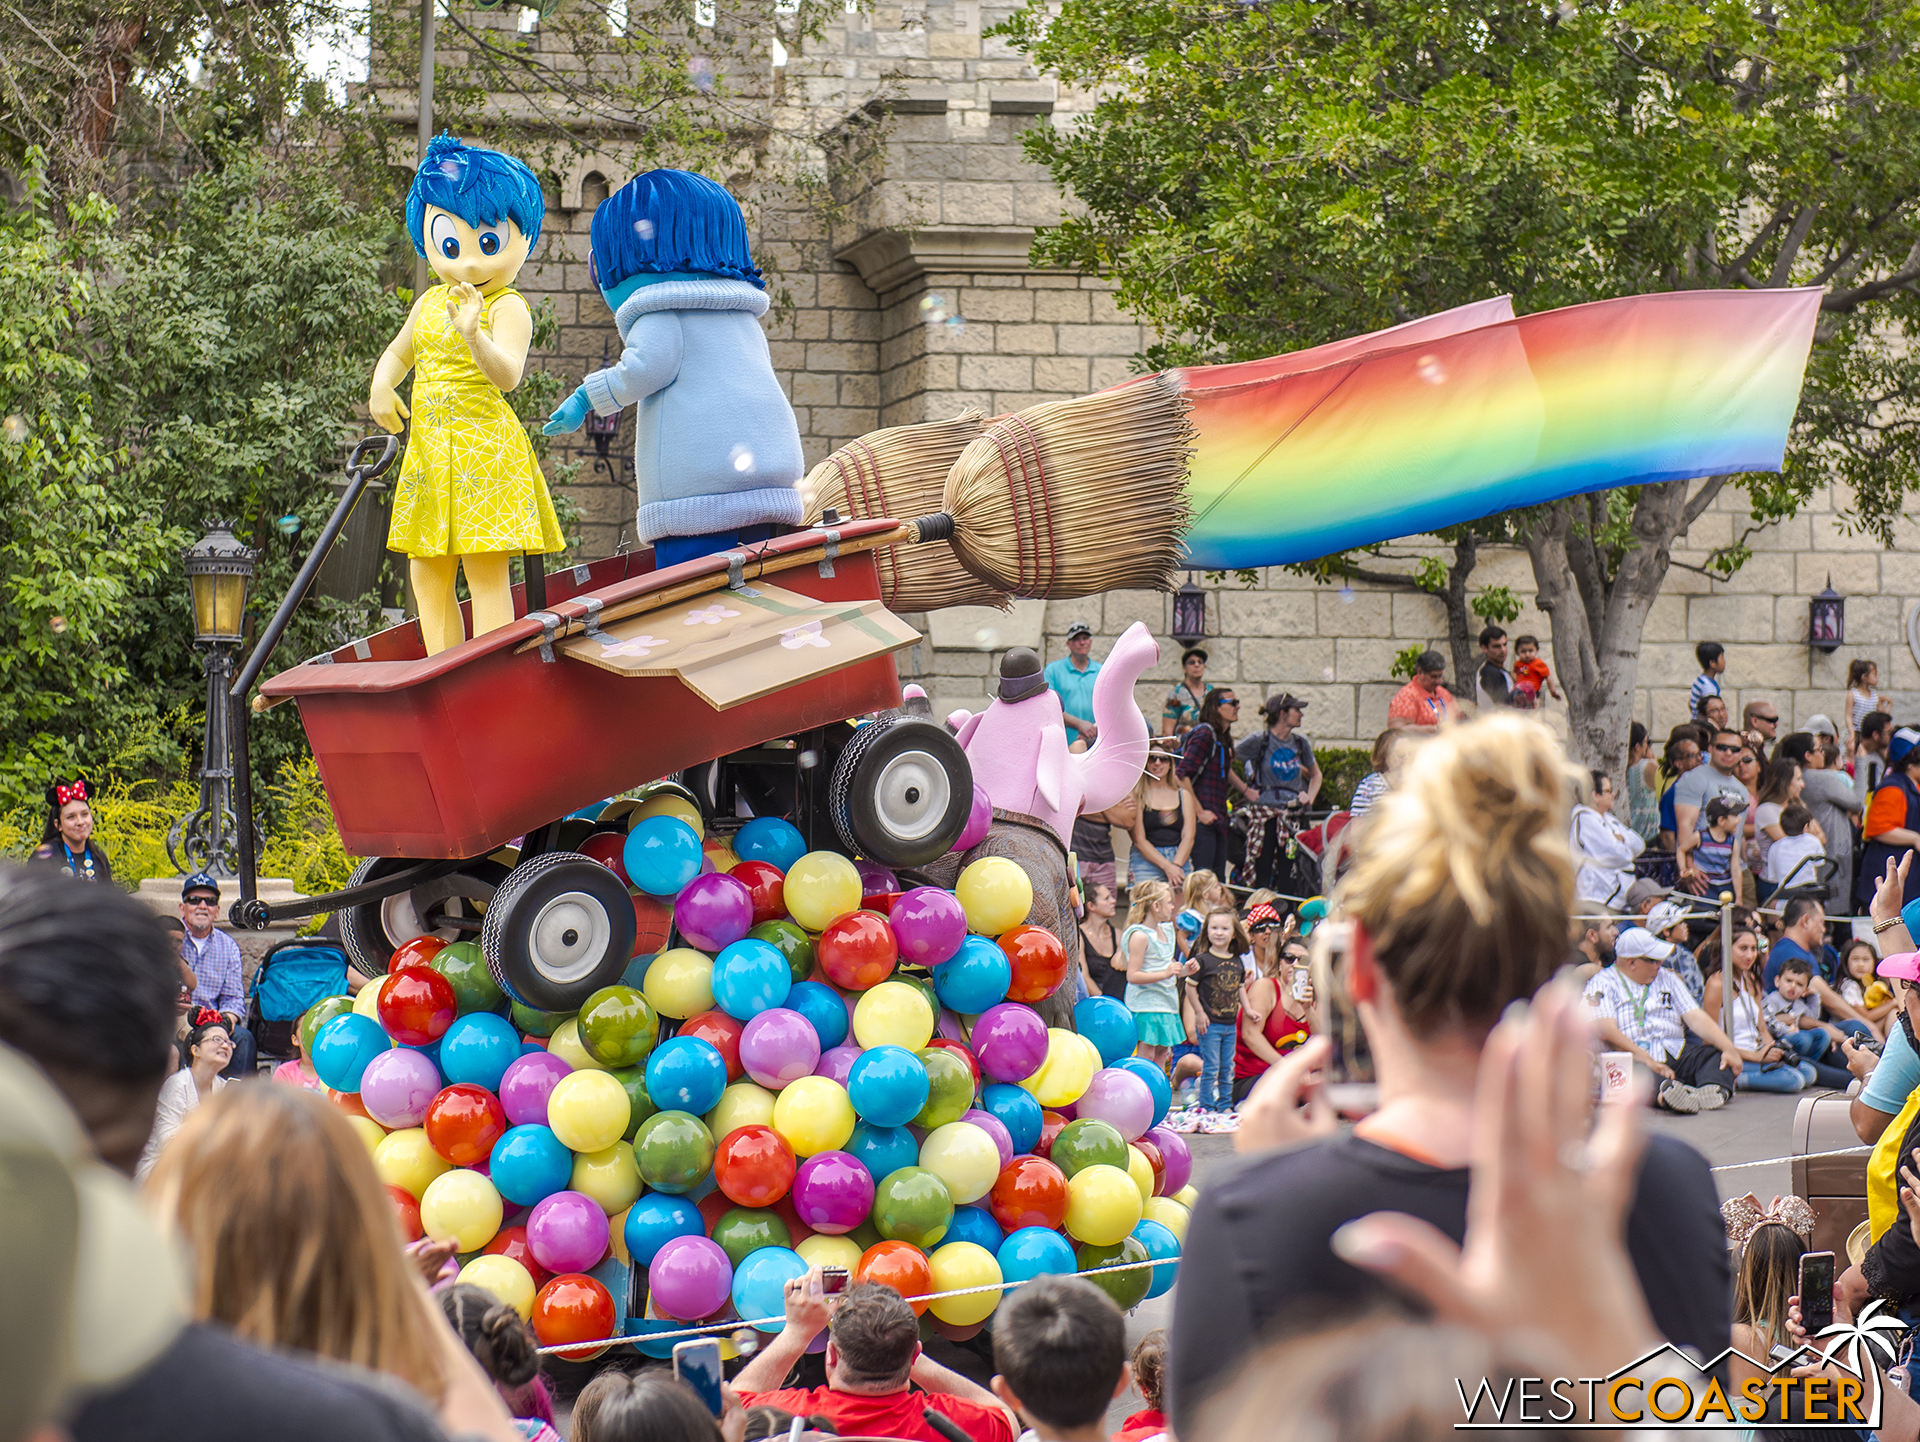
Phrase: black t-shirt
pixel 209 1387
pixel 1257 1263
pixel 1111 980
pixel 1218 983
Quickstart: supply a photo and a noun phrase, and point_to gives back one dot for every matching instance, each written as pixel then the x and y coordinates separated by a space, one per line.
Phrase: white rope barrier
pixel 1801 1157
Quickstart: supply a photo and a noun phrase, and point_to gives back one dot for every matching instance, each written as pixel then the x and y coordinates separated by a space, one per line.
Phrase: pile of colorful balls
pixel 823 1069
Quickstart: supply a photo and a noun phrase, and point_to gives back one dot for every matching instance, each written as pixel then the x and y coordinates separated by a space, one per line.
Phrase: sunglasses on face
pixel 1718 747
pixel 1228 701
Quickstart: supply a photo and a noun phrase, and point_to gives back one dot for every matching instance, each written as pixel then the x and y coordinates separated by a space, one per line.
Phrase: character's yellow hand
pixel 389 411
pixel 465 305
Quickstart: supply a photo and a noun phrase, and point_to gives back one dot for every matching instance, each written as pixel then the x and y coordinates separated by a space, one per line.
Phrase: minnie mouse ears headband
pixel 1744 1216
pixel 61 792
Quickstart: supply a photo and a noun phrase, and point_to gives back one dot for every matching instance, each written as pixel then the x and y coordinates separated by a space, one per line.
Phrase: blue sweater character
pixel 717 451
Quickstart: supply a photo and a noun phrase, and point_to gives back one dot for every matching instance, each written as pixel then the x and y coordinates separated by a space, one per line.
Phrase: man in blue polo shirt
pixel 1071 678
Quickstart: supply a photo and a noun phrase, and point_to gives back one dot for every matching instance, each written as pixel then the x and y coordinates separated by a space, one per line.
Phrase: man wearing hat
pixel 1189 692
pixel 215 959
pixel 1281 764
pixel 1643 1008
pixel 1892 824
pixel 1071 678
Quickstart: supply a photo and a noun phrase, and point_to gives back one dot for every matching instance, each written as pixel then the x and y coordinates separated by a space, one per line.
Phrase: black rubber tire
pixel 902 791
pixel 369 932
pixel 559 928
pixel 363 931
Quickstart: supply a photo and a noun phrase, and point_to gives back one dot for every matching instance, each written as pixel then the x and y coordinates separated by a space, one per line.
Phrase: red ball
pixel 417 1006
pixel 785 1210
pixel 1050 1126
pixel 512 1242
pixel 857 951
pixel 573 1308
pixel 350 1103
pixel 724 1032
pixel 754 1165
pixel 1039 962
pixel 1031 1192
pixel 960 1050
pixel 408 1211
pixel 417 952
pixel 767 885
pixel 652 924
pixel 463 1123
pixel 1159 1164
pixel 901 1266
pixel 610 851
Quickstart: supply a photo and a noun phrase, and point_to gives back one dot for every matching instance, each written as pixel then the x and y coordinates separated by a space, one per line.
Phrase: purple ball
pixel 836 1063
pixel 567 1232
pixel 526 1084
pixel 832 1193
pixel 1065 1111
pixel 779 1046
pixel 875 880
pixel 929 925
pixel 995 1128
pixel 690 1278
pixel 713 911
pixel 1121 1100
pixel 979 820
pixel 1177 1157
pixel 949 1025
pixel 397 1086
pixel 1010 1040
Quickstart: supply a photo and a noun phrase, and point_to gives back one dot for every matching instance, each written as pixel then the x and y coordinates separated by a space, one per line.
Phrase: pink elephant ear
pixel 964 724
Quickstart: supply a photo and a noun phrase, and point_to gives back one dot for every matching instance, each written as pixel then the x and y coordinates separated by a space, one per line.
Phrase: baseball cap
pixel 1644 888
pixel 1638 941
pixel 1664 917
pixel 1192 651
pixel 199 881
pixel 1719 806
pixel 1818 725
pixel 1904 740
pixel 1902 966
pixel 1079 628
pixel 1285 701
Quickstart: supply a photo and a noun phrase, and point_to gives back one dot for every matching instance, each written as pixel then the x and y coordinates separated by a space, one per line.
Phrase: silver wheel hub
pixel 911 795
pixel 569 937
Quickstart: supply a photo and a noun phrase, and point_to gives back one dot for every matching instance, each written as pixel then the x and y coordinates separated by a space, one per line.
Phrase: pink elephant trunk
pixel 1108 769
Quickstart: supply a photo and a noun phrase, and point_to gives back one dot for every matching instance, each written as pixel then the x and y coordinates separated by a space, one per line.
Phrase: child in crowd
pixel 1863 694
pixel 1861 989
pixel 1769 1276
pixel 1149 1374
pixel 1060 1350
pixel 1154 970
pixel 1716 855
pixel 1712 657
pixel 1531 674
pixel 1794 854
pixel 297 1071
pixel 1668 922
pixel 1793 1013
pixel 1204 892
pixel 1220 952
pixel 507 1352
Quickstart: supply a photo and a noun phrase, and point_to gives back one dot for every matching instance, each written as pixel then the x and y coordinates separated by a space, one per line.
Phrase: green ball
pixel 1088 1143
pixel 921 983
pixel 746 1229
pixel 318 1015
pixel 1128 1289
pixel 913 1205
pixel 640 1105
pixel 674 1151
pixel 537 1023
pixel 950 1090
pixel 464 966
pixel 617 1026
pixel 791 942
pixel 866 1236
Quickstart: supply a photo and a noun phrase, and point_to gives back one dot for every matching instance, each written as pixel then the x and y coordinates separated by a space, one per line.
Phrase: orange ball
pixel 574 1308
pixel 408 1212
pixel 901 1266
pixel 350 1103
pixel 858 951
pixel 1039 962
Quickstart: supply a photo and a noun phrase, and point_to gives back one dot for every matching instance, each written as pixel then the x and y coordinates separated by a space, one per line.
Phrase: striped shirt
pixel 1715 859
pixel 1703 687
pixel 1649 1016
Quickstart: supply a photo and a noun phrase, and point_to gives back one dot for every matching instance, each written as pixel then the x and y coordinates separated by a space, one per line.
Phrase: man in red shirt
pixel 1423 703
pixel 874 1366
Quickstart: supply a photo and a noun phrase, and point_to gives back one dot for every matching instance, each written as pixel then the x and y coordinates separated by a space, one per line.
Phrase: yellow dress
pixel 470 483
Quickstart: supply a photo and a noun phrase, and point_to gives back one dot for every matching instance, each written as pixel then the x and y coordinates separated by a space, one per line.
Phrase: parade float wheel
pixel 902 791
pixel 560 927
pixel 372 931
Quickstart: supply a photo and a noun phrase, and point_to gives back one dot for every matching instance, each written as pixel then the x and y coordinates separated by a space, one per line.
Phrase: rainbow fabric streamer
pixel 1474 411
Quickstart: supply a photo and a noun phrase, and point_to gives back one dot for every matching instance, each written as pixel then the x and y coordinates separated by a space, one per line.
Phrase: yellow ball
pixel 995 894
pixel 462 1205
pixel 407 1160
pixel 813 1114
pixel 822 887
pixel 565 1043
pixel 893 1013
pixel 670 804
pixel 611 1178
pixel 679 983
pixel 369 1130
pixel 1103 1205
pixel 1094 1059
pixel 1169 1214
pixel 505 1278
pixel 820 1250
pixel 1138 1167
pixel 366 1001
pixel 1187 1196
pixel 963 1264
pixel 744 1104
pixel 617 1236
pixel 588 1111
pixel 965 1158
pixel 721 855
pixel 1066 1073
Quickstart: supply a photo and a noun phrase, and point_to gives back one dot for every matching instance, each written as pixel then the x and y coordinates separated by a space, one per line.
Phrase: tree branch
pixel 1702 498
pixel 1790 247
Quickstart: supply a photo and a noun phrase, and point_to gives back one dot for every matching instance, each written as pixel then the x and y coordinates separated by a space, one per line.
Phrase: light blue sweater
pixel 716 447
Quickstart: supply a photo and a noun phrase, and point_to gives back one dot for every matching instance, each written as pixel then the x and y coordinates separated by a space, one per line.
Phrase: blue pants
pixel 1813 1044
pixel 1776 1076
pixel 1216 1065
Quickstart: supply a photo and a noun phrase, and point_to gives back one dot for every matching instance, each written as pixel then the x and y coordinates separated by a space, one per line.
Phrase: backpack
pixel 292 976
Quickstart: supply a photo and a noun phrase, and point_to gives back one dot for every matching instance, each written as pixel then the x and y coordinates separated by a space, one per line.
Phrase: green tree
pixel 1270 174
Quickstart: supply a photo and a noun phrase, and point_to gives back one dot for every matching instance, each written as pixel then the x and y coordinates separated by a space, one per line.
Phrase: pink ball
pixel 995 1128
pixel 875 880
pixel 1175 1154
pixel 836 1063
pixel 779 1046
pixel 1120 1099
pixel 713 911
pixel 1011 1041
pixel 567 1232
pixel 690 1278
pixel 397 1086
pixel 526 1084
pixel 832 1193
pixel 929 925
pixel 949 1026
pixel 979 820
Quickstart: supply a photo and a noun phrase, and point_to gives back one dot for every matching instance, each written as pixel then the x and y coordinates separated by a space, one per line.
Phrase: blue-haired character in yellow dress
pixel 470 489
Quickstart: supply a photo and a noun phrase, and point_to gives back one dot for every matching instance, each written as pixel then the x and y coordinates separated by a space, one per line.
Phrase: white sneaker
pixel 1711 1098
pixel 1678 1097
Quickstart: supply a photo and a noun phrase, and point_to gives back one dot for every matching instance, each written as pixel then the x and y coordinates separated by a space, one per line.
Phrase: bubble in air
pixel 14 428
pixel 1430 370
pixel 643 228
pixel 700 72
pixel 933 309
pixel 57 624
pixel 1346 595
pixel 956 322
pixel 1326 673
pixel 741 457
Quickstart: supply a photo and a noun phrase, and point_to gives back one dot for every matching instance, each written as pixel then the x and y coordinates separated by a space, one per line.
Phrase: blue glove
pixel 570 415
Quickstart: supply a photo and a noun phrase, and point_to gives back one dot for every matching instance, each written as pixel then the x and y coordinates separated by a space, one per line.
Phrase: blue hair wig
pixel 481 186
pixel 670 220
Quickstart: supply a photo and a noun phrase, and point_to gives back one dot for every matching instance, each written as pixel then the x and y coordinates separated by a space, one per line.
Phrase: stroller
pixel 292 976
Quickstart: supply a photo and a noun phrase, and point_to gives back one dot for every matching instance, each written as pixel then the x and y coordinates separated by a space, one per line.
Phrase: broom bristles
pixel 1075 497
pixel 901 472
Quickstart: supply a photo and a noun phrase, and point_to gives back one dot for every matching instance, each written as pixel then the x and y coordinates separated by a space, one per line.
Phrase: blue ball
pixel 769 839
pixel 1162 1246
pixel 686 1074
pixel 888 1085
pixel 611 1273
pixel 635 975
pixel 343 1047
pixel 749 977
pixel 976 1225
pixel 590 813
pixel 1035 1252
pixel 1106 1022
pixel 760 1285
pixel 528 1048
pixel 478 1048
pixel 529 1164
pixel 974 978
pixel 1017 1111
pixel 1156 1081
pixel 639 1327
pixel 662 855
pixel 820 1004
pixel 883 1150
pixel 656 1219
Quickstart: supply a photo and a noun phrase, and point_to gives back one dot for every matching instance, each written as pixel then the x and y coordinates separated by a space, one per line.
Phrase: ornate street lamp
pixel 603 431
pixel 1189 613
pixel 1827 620
pixel 218 568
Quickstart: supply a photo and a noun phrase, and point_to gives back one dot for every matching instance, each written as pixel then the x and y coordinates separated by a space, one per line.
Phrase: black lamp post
pixel 1189 613
pixel 218 568
pixel 1827 620
pixel 602 431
